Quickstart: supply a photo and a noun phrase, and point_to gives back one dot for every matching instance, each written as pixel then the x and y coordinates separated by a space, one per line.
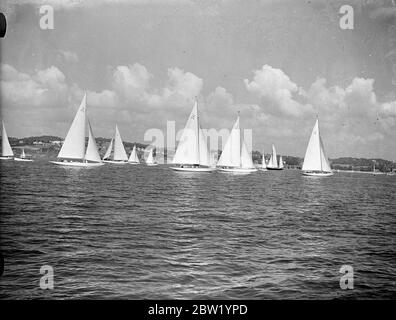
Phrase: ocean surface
pixel 137 232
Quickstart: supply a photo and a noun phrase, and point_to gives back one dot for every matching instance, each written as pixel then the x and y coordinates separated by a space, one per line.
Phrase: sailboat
pixel 73 152
pixel 263 163
pixel 150 159
pixel 281 165
pixel 133 158
pixel 192 152
pixel 23 157
pixel 6 150
pixel 119 154
pixel 273 161
pixel 315 160
pixel 375 171
pixel 235 156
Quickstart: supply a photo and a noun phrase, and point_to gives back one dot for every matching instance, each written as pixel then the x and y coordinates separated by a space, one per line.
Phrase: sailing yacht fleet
pixel 192 153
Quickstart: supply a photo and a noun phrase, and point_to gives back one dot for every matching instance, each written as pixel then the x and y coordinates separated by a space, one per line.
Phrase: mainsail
pixel 74 145
pixel 133 157
pixel 231 155
pixel 23 155
pixel 246 159
pixel 6 150
pixel 92 153
pixel 109 149
pixel 235 153
pixel 315 158
pixel 119 150
pixel 273 163
pixel 281 162
pixel 150 158
pixel 192 148
pixel 203 148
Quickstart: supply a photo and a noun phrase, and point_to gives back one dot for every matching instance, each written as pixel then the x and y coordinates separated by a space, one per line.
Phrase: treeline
pixel 363 164
pixel 30 140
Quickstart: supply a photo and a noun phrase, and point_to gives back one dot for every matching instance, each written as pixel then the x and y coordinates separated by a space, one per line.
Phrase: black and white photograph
pixel 168 150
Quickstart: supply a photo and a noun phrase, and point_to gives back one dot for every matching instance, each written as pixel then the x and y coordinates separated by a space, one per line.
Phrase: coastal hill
pixel 49 146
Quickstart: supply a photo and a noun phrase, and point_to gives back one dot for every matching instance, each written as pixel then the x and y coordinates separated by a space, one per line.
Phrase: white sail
pixel 325 160
pixel 263 165
pixel 246 159
pixel 92 153
pixel 133 157
pixel 315 158
pixel 150 158
pixel 23 155
pixel 187 151
pixel 6 150
pixel 204 159
pixel 281 162
pixel 74 145
pixel 119 150
pixel 231 155
pixel 109 149
pixel 273 163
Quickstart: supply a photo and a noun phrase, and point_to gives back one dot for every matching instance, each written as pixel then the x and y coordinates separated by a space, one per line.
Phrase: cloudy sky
pixel 280 63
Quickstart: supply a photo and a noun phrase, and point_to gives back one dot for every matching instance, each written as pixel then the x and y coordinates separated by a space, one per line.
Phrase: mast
pixel 240 141
pixel 321 166
pixel 198 128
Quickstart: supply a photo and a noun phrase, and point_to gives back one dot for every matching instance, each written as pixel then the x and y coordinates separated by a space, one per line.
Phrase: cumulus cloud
pixel 129 96
pixel 277 91
pixel 133 84
pixel 353 119
pixel 220 98
pixel 43 88
pixel 388 109
pixel 103 99
pixel 353 115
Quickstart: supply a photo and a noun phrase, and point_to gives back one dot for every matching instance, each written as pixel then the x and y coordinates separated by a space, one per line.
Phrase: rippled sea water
pixel 137 232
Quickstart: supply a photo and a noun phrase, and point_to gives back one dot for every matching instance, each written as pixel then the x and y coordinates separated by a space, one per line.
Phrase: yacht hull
pixel 78 164
pixel 6 158
pixel 115 162
pixel 268 168
pixel 192 169
pixel 22 159
pixel 237 170
pixel 133 162
pixel 151 164
pixel 318 174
